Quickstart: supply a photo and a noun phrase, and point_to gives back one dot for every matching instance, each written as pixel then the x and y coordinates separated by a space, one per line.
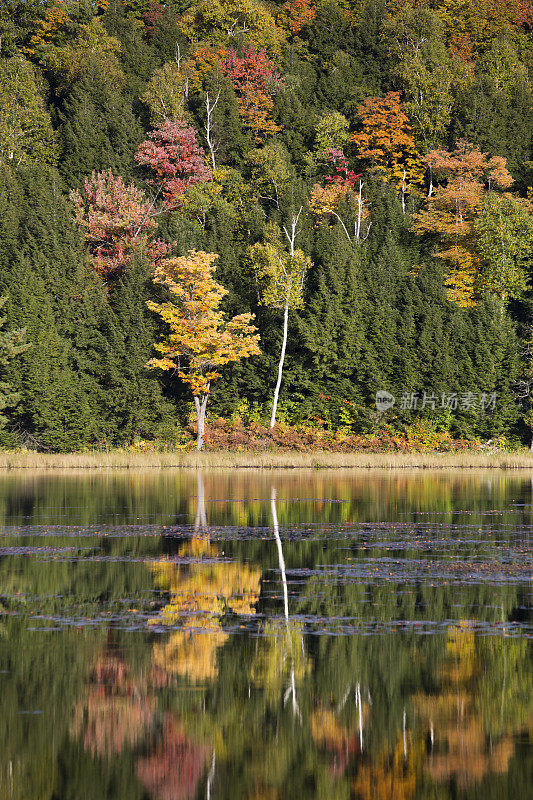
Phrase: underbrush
pixel 235 435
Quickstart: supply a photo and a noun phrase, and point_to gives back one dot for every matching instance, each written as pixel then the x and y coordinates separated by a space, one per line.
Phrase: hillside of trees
pixel 348 183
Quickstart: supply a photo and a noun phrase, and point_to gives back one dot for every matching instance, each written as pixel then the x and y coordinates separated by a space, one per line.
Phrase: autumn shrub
pixel 238 435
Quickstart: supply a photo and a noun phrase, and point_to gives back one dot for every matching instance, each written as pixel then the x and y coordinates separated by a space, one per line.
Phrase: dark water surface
pixel 266 636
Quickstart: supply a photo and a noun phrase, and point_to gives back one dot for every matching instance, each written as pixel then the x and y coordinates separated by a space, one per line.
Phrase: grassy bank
pixel 266 460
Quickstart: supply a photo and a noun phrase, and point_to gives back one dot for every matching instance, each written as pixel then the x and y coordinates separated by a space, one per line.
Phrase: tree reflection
pixel 276 710
pixel 201 592
pixel 175 767
pixel 466 744
pixel 114 711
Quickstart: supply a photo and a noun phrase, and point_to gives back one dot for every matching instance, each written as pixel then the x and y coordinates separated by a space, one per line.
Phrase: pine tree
pixel 330 329
pixel 98 130
pixel 43 270
pixel 129 394
pixel 12 344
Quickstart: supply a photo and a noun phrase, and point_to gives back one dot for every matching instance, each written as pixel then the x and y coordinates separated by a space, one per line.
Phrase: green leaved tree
pixel 280 276
pixel 26 134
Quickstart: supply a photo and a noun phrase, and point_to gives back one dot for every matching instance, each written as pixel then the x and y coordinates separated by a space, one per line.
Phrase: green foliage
pixel 331 133
pixel 98 130
pixel 12 344
pixel 26 134
pixel 81 84
pixel 506 243
pixel 280 274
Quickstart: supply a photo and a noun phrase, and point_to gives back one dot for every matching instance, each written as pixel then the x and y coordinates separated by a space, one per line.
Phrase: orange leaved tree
pixel 453 209
pixel 199 340
pixel 385 139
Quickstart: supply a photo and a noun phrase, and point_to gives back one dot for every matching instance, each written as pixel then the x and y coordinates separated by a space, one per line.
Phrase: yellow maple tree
pixel 200 340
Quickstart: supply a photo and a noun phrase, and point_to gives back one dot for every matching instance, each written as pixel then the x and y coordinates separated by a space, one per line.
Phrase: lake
pixel 283 635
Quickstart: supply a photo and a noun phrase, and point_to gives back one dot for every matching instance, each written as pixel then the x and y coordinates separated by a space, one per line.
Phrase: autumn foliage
pixel 116 219
pixel 385 138
pixel 172 153
pixel 296 15
pixel 477 22
pixel 255 80
pixel 200 340
pixel 464 176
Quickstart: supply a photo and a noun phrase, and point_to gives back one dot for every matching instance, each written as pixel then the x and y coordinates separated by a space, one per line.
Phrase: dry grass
pixel 266 460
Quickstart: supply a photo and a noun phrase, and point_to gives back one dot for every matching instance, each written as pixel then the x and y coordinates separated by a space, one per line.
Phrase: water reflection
pixel 266 636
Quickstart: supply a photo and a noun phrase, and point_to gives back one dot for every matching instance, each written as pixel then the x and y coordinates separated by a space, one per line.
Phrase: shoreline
pixel 283 460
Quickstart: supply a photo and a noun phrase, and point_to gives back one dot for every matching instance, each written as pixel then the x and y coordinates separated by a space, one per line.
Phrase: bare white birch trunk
pixel 291 238
pixel 359 210
pixel 209 127
pixel 280 365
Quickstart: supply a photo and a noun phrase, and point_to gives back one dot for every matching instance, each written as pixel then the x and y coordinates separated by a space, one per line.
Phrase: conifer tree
pixel 12 343
pixel 130 397
pixel 26 134
pixel 98 130
pixel 330 326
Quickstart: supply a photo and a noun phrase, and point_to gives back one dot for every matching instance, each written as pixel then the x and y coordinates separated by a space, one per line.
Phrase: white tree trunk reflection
pixel 200 521
pixel 291 690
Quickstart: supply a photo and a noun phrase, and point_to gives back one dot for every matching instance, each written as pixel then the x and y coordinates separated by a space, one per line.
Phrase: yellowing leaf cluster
pixel 199 340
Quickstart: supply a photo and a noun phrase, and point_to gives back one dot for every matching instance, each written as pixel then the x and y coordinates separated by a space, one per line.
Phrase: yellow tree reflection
pixel 459 743
pixel 200 593
pixel 390 777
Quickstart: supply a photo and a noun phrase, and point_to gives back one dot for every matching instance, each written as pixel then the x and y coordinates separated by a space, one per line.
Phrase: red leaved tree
pixel 116 220
pixel 173 154
pixel 255 80
pixel 176 766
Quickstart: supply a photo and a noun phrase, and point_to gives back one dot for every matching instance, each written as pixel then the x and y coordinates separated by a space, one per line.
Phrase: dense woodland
pixel 361 169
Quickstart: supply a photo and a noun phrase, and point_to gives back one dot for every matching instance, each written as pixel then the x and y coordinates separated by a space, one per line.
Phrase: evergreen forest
pixel 277 209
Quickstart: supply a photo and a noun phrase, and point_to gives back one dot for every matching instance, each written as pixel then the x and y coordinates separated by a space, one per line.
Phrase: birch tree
pixel 280 275
pixel 211 101
pixel 505 241
pixel 200 340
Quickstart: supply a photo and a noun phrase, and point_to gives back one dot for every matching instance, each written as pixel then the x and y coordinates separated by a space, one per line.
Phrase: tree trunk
pixel 280 366
pixel 200 522
pixel 280 555
pixel 200 406
pixel 359 210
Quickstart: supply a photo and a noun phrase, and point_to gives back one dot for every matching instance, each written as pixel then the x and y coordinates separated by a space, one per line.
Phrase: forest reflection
pixel 229 681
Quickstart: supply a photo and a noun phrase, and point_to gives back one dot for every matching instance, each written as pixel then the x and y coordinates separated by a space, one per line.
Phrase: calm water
pixel 266 636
